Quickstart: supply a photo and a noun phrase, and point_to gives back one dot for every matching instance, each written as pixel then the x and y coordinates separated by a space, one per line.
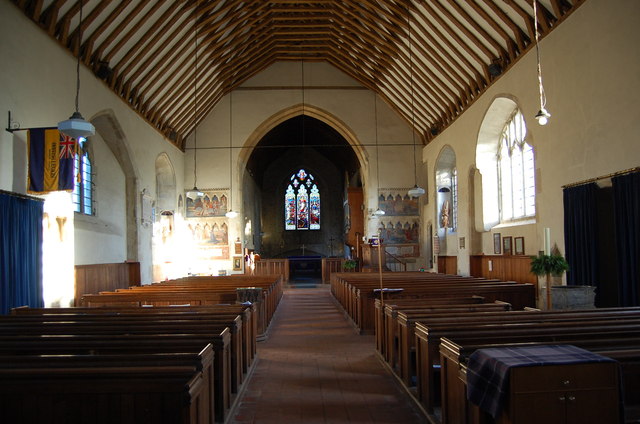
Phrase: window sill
pixel 525 221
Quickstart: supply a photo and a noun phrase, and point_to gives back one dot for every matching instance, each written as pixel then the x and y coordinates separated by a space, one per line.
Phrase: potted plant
pixel 349 265
pixel 547 265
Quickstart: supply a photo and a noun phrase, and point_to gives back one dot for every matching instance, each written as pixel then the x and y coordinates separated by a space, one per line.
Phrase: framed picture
pixel 507 247
pixel 519 245
pixel 497 245
pixel 237 263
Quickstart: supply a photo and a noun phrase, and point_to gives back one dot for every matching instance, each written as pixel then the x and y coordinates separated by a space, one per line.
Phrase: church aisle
pixel 314 368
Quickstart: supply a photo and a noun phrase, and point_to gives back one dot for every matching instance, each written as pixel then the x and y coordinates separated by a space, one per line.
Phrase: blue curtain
pixel 581 234
pixel 20 252
pixel 626 206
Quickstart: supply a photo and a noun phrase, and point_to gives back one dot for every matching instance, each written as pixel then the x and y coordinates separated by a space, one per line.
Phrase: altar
pixel 306 266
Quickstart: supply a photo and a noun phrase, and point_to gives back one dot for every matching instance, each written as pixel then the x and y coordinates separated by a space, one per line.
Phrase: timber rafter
pixel 428 59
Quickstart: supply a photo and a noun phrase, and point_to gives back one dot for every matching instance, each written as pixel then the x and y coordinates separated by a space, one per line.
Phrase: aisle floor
pixel 314 368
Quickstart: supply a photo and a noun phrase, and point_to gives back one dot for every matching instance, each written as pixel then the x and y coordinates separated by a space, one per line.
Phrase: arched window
pixel 83 187
pixel 447 191
pixel 302 202
pixel 516 171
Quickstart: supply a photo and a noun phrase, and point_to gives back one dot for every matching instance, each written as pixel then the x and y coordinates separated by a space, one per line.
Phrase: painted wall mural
pixel 400 226
pixel 397 204
pixel 213 203
pixel 210 237
pixel 401 237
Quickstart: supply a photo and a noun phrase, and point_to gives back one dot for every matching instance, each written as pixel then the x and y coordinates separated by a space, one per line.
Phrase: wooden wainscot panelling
pixel 507 268
pixel 272 267
pixel 94 278
pixel 448 265
pixel 329 266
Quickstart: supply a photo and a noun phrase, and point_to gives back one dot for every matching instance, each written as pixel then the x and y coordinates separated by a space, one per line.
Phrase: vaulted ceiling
pixel 428 59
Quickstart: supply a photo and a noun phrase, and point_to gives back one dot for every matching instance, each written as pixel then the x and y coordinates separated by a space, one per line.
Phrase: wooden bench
pixel 382 310
pixel 357 294
pixel 129 340
pixel 144 388
pixel 100 324
pixel 405 322
pixel 625 349
pixel 430 329
pixel 247 313
pixel 195 291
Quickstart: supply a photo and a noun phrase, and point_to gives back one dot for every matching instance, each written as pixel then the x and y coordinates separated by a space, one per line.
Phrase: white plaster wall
pixel 591 74
pixel 103 235
pixel 37 81
pixel 279 88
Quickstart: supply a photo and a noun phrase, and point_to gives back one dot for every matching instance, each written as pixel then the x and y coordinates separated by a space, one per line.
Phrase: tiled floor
pixel 314 368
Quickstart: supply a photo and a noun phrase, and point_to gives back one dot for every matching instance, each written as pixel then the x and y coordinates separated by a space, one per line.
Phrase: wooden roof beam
pixel 49 18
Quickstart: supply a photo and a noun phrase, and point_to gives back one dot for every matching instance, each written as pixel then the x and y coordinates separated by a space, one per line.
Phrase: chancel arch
pixel 294 142
pixel 312 112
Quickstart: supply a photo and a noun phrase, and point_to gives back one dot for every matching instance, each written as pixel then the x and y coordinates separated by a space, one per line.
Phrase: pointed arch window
pixel 82 195
pixel 302 202
pixel 516 171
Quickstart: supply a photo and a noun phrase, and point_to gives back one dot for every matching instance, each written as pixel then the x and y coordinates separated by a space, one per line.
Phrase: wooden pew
pixel 147 388
pixel 159 328
pixel 247 312
pixel 194 291
pixel 357 294
pixel 86 342
pixel 100 324
pixel 388 309
pixel 406 320
pixel 431 329
pixel 598 408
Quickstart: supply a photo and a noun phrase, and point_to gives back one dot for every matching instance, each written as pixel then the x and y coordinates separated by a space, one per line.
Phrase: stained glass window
pixel 302 202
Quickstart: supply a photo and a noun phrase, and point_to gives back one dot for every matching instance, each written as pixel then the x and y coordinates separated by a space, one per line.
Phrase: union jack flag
pixel 67 145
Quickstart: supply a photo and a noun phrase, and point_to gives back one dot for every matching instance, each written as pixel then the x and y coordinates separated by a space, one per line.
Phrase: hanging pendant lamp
pixel 195 193
pixel 543 115
pixel 378 212
pixel 416 191
pixel 231 213
pixel 76 126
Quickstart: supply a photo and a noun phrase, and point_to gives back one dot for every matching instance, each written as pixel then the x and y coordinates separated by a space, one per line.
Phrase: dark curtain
pixel 626 207
pixel 581 234
pixel 20 252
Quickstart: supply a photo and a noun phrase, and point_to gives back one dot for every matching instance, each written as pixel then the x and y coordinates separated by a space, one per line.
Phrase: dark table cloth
pixel 488 369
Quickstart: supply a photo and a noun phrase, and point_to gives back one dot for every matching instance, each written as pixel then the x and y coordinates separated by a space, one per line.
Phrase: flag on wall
pixel 51 160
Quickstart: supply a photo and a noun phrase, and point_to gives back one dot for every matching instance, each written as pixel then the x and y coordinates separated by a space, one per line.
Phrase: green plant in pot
pixel 349 265
pixel 547 265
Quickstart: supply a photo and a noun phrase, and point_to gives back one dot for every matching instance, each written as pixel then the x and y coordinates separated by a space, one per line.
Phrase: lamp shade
pixel 194 193
pixel 416 191
pixel 76 127
pixel 379 212
pixel 231 214
pixel 543 116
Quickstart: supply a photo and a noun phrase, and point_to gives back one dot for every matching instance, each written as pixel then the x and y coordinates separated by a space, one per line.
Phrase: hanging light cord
pixel 543 97
pixel 78 61
pixel 195 100
pixel 302 85
pixel 375 118
pixel 230 147
pixel 413 111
